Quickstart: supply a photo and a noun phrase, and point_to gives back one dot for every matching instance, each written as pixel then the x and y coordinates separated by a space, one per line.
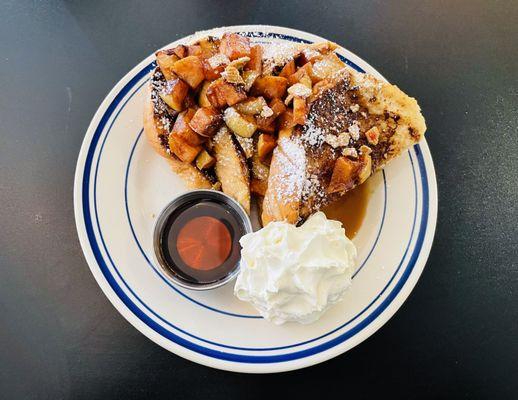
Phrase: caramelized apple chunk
pixel 183 150
pixel 205 160
pixel 190 70
pixel 288 70
pixel 299 110
pixel 343 175
pixel 165 60
pixel 265 145
pixel 174 93
pixel 182 128
pixel 270 86
pixel 251 106
pixel 203 101
pixel 221 93
pixel 256 60
pixel 234 46
pixel 239 124
pixel 206 121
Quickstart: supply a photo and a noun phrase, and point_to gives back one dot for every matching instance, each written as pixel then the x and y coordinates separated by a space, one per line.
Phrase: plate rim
pixel 340 348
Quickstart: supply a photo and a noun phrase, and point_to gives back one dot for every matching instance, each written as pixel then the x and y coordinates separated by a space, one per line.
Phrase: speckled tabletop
pixel 455 337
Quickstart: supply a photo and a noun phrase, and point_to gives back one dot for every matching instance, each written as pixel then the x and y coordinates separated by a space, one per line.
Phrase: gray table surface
pixel 455 337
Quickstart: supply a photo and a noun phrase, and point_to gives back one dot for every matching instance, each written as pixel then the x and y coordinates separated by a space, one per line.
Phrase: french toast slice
pixel 354 126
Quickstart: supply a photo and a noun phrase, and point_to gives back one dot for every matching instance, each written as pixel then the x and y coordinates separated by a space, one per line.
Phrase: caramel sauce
pixel 350 210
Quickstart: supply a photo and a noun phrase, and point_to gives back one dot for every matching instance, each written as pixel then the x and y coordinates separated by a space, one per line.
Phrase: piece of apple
pixel 277 106
pixel 221 93
pixel 182 128
pixel 206 121
pixel 194 50
pixel 165 60
pixel 209 46
pixel 270 86
pixel 212 70
pixel 299 110
pixel 265 145
pixel 238 123
pixel 306 69
pixel 205 160
pixel 288 69
pixel 190 70
pixel 203 101
pixel 265 124
pixel 286 120
pixel 174 93
pixel 249 78
pixel 180 50
pixel 234 46
pixel 251 106
pixel 256 60
pixel 183 150
pixel 344 172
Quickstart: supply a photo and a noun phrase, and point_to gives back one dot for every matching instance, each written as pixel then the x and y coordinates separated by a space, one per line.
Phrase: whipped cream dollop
pixel 291 273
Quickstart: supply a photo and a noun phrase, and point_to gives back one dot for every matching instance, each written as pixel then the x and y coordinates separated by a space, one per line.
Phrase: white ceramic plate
pixel 121 185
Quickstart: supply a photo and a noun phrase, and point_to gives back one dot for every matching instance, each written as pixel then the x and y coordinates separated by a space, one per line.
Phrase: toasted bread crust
pixel 193 178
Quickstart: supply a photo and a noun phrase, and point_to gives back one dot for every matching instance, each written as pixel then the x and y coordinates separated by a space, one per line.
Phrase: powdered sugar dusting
pixel 291 159
pixel 312 135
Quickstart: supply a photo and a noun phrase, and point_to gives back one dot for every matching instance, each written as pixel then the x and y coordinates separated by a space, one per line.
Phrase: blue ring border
pixel 215 353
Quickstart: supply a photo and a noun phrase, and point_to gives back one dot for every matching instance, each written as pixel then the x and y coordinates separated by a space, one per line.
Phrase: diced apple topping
pixel 238 123
pixel 194 50
pixel 180 51
pixel 288 70
pixel 174 93
pixel 209 47
pixel 183 150
pixel 249 78
pixel 373 135
pixel 203 101
pixel 343 175
pixel 190 70
pixel 230 80
pixel 206 121
pixel 221 93
pixel 256 60
pixel 183 129
pixel 205 160
pixel 270 86
pixel 251 106
pixel 234 46
pixel 265 145
pixel 299 110
pixel 166 60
